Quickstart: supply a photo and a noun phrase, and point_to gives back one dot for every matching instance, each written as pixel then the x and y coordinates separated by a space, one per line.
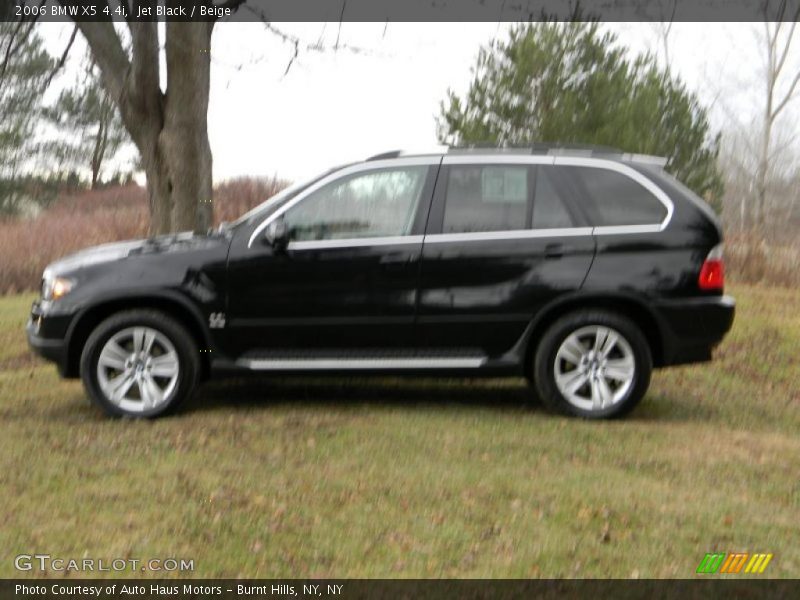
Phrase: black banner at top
pixel 400 10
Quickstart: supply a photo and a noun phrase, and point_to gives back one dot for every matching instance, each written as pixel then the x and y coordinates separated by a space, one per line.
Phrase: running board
pixel 357 364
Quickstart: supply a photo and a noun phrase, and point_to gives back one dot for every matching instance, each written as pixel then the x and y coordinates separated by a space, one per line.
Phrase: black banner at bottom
pixel 351 589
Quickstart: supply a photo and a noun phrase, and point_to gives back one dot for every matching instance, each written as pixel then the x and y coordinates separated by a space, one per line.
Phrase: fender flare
pixel 127 300
pixel 653 326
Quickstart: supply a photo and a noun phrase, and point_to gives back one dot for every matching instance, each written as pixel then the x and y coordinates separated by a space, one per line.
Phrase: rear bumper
pixel 692 327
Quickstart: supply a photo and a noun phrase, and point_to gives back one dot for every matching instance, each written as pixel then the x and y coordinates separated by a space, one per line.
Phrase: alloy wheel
pixel 594 368
pixel 138 369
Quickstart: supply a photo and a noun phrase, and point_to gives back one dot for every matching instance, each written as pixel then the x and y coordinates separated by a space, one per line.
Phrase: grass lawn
pixel 391 478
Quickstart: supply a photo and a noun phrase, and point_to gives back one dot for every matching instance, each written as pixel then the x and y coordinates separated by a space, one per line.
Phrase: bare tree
pixel 168 123
pixel 169 127
pixel 663 29
pixel 778 37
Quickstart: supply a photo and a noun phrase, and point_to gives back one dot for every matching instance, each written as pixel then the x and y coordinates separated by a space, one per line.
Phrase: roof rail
pixel 584 150
pixel 385 155
pixel 646 159
pixel 534 148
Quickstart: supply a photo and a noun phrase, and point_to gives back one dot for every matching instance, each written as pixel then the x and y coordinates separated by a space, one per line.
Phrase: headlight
pixel 54 288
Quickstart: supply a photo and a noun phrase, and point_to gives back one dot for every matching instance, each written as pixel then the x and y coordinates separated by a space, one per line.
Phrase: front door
pixel 346 285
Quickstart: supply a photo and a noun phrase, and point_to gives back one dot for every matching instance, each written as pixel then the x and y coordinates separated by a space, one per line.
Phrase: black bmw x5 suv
pixel 580 270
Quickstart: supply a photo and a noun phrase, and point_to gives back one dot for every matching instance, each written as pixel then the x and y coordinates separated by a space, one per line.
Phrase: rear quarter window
pixel 613 198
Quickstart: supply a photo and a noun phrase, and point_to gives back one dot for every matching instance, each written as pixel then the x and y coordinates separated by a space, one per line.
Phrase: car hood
pixel 104 253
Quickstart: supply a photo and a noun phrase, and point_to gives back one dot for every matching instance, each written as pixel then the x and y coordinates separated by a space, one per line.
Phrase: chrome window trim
pixel 360 363
pixel 487 159
pixel 517 234
pixel 356 242
pixel 413 161
pixel 475 236
pixel 571 161
pixel 618 229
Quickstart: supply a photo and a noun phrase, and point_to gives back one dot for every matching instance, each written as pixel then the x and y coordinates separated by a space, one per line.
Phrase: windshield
pixel 279 198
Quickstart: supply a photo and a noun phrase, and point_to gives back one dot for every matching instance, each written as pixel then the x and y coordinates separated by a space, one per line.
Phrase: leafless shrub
pixel 88 218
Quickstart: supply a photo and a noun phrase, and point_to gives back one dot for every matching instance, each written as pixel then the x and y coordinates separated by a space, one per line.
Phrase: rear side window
pixel 549 208
pixel 616 199
pixel 486 198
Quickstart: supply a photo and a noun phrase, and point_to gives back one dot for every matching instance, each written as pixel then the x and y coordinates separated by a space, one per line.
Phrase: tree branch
pixel 339 30
pixel 63 59
pixel 106 49
pixel 790 36
pixel 11 49
pixel 145 78
pixel 294 41
pixel 109 55
pixel 788 97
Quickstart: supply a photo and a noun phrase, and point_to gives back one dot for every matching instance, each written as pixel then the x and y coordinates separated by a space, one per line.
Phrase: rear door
pixel 502 240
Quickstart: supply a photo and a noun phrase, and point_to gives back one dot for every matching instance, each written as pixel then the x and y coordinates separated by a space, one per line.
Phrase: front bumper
pixel 692 327
pixel 47 336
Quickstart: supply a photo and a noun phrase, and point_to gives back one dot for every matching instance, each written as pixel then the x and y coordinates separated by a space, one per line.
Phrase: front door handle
pixel 554 251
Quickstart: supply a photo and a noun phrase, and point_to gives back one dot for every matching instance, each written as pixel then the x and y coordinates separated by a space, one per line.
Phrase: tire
pixel 613 374
pixel 168 359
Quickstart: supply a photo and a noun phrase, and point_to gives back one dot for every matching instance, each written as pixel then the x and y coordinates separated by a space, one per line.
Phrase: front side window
pixel 377 203
pixel 486 198
pixel 616 199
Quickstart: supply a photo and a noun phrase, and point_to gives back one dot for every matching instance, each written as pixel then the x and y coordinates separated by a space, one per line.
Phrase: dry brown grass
pixel 88 218
pixel 235 197
pixel 750 259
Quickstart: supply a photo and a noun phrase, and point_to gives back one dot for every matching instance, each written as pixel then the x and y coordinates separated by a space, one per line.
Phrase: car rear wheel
pixel 593 364
pixel 139 363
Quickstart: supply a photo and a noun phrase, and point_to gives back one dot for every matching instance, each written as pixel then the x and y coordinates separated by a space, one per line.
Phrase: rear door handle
pixel 396 261
pixel 554 251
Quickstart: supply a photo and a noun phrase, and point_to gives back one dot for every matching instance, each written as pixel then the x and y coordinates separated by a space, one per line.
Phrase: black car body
pixel 460 263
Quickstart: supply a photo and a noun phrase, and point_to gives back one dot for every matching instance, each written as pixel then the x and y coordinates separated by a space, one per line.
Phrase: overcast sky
pixel 381 90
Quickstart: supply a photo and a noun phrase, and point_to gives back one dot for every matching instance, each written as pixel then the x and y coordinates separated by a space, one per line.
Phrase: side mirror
pixel 277 235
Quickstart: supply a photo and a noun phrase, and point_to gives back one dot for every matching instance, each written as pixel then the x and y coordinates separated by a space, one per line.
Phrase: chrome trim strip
pixel 356 242
pixel 413 161
pixel 571 161
pixel 360 363
pixel 615 229
pixel 519 234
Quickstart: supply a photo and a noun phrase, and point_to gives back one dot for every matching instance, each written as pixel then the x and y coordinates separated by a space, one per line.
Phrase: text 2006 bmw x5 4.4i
pixel 581 270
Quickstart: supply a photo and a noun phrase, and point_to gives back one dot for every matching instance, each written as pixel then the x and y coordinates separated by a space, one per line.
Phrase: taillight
pixel 712 273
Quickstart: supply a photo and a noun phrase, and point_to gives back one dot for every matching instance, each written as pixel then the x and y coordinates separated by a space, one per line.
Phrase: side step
pixel 358 364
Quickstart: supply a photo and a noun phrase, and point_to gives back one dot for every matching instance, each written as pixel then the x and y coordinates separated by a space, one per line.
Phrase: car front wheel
pixel 593 364
pixel 139 363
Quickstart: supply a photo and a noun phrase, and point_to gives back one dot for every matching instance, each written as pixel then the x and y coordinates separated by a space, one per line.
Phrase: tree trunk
pixel 158 192
pixel 170 129
pixel 184 137
pixel 177 155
